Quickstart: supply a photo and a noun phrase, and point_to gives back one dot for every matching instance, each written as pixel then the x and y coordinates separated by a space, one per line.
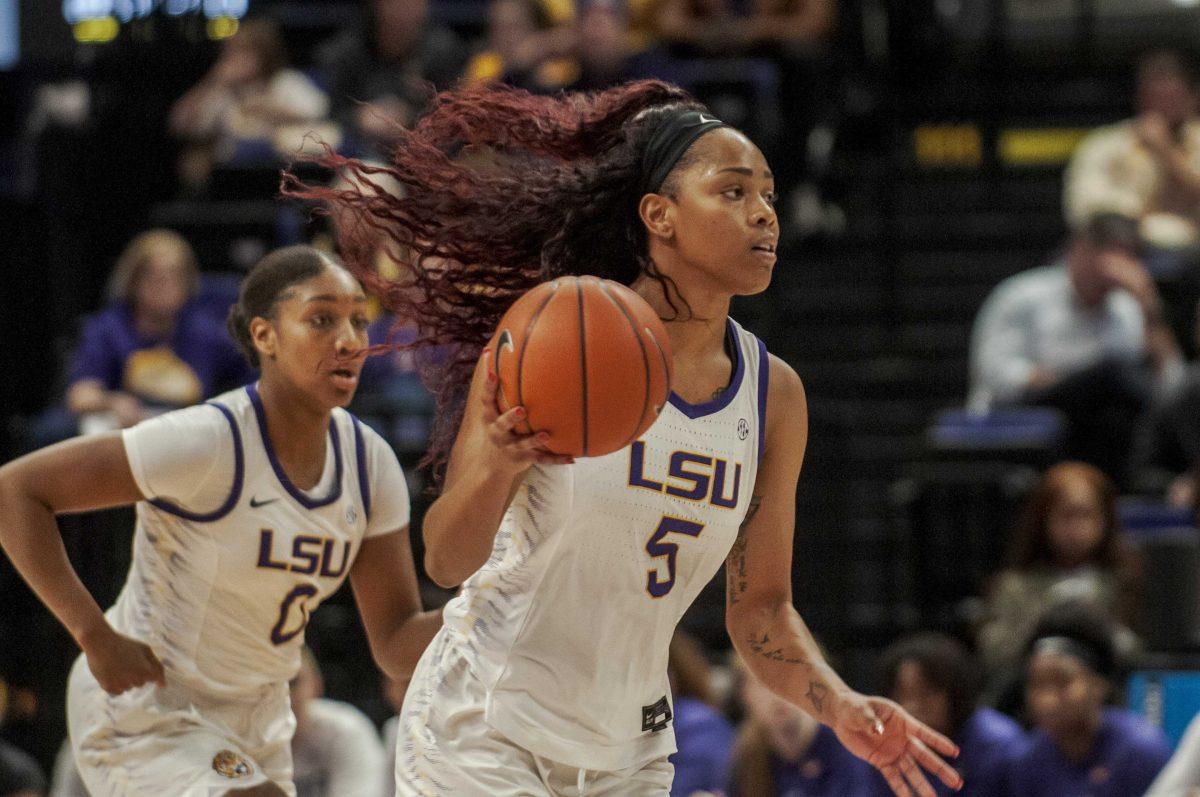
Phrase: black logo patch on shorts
pixel 657 716
pixel 231 765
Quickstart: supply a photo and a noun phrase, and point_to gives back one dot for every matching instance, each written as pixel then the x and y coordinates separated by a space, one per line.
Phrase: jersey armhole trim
pixel 764 374
pixel 235 492
pixel 360 456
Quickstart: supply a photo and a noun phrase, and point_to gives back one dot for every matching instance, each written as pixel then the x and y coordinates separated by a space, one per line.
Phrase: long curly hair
pixel 493 191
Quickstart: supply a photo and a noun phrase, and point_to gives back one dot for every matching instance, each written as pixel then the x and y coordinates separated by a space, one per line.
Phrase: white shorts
pixel 446 748
pixel 158 741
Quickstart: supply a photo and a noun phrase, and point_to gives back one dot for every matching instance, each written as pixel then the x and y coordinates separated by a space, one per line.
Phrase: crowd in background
pixel 1105 335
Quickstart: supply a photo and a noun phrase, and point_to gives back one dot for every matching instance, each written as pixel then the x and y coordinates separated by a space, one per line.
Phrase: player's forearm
pixel 779 650
pixel 30 538
pixel 400 652
pixel 460 527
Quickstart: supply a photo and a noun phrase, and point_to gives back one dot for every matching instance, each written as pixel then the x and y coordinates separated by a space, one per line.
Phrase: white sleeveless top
pixel 229 557
pixel 569 622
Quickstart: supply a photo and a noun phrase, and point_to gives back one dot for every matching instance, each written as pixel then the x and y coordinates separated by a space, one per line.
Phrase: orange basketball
pixel 589 361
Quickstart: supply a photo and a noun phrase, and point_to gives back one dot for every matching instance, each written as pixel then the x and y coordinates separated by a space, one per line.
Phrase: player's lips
pixel 344 378
pixel 765 250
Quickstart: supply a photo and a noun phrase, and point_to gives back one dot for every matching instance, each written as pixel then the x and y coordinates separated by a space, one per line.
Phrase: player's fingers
pixel 915 777
pixel 932 738
pixel 896 782
pixel 509 420
pixel 930 761
pixel 532 442
pixel 491 390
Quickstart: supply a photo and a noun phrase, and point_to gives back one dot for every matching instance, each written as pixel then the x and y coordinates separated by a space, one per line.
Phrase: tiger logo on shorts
pixel 231 765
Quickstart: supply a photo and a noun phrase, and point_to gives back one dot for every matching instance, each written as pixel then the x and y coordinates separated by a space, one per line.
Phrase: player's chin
pixel 753 283
pixel 336 395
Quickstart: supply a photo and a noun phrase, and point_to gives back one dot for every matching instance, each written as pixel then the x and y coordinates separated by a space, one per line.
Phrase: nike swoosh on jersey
pixel 255 503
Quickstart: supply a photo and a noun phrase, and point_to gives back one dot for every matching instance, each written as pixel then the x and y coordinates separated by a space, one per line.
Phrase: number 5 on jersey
pixel 656 547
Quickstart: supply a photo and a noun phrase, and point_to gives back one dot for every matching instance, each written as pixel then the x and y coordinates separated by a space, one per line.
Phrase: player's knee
pixel 261 790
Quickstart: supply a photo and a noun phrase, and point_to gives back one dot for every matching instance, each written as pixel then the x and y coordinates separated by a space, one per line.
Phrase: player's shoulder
pixel 370 446
pixel 785 385
pixel 199 418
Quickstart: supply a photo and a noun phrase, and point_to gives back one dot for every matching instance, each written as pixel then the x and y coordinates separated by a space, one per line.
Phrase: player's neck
pixel 297 432
pixel 696 323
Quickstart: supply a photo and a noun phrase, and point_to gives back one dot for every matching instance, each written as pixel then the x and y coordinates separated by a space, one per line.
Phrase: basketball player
pixel 251 509
pixel 550 675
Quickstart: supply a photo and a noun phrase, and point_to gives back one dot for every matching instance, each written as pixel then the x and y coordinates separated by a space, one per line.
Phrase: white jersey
pixel 568 623
pixel 230 558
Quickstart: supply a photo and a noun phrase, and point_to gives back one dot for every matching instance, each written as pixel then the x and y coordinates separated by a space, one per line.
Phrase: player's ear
pixel 262 333
pixel 657 212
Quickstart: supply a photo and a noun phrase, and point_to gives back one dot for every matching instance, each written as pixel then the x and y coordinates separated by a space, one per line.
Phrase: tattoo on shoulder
pixel 735 563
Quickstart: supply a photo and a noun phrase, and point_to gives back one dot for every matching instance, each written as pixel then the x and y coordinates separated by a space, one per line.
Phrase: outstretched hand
pixel 891 740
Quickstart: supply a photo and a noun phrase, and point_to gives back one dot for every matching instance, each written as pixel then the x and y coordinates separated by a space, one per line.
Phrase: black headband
pixel 1065 646
pixel 669 142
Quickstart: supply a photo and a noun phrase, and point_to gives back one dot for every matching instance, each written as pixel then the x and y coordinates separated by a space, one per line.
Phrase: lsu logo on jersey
pixel 310 555
pixel 691 476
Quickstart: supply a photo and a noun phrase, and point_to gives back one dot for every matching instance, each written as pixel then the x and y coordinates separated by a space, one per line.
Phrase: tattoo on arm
pixel 763 648
pixel 735 563
pixel 816 695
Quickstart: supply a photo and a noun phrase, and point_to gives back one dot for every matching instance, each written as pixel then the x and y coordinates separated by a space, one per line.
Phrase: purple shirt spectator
pixel 198 360
pixel 1128 754
pixel 988 740
pixel 826 770
pixel 705 742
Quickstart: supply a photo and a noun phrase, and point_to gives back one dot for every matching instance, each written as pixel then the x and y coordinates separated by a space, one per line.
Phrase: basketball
pixel 589 361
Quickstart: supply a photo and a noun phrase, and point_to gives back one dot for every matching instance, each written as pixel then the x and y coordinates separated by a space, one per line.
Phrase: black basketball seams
pixel 525 345
pixel 645 358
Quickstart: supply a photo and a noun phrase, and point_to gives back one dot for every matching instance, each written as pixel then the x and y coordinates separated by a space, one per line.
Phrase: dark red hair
pixel 560 197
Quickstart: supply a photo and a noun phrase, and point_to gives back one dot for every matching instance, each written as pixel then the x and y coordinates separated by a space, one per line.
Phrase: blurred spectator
pixel 525 47
pixel 65 780
pixel 1080 746
pixel 934 678
pixel 1147 167
pixel 1067 548
pixel 796 37
pixel 335 751
pixel 725 27
pixel 703 738
pixel 1084 335
pixel 380 72
pixel 1181 776
pixel 781 750
pixel 603 48
pixel 1166 452
pixel 149 351
pixel 239 110
pixel 20 775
